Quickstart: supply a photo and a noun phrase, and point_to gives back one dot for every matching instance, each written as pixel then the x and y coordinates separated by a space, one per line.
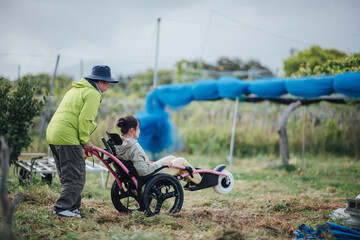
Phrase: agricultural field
pixel 269 201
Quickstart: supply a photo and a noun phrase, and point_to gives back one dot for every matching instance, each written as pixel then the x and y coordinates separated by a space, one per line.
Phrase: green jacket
pixel 73 121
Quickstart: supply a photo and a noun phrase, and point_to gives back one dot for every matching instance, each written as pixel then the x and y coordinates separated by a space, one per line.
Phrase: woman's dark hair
pixel 125 123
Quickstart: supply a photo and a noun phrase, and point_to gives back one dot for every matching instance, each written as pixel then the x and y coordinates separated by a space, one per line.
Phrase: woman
pixel 130 150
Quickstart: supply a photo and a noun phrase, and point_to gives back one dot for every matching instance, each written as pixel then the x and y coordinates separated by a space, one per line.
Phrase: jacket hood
pixel 82 83
pixel 125 146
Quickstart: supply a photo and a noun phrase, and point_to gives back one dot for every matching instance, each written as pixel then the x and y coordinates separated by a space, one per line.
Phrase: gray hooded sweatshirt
pixel 130 150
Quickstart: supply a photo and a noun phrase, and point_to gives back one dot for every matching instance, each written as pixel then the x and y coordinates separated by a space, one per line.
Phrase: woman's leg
pixel 171 171
pixel 176 171
pixel 167 159
pixel 182 162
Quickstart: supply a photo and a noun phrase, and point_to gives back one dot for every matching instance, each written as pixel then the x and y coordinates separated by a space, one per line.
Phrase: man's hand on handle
pixel 88 146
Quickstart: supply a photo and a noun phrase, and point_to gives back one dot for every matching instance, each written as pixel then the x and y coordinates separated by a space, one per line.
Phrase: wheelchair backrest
pixel 115 139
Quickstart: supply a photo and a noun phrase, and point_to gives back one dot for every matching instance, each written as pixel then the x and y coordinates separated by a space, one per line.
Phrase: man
pixel 69 132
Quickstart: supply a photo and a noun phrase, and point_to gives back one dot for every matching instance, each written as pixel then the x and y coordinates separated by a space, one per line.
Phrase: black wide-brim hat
pixel 101 72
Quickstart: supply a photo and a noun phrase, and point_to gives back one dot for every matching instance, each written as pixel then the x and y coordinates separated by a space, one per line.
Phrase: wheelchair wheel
pixel 124 200
pixel 163 192
pixel 225 184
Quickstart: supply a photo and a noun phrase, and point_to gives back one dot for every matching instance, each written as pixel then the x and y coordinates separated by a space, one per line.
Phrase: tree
pixel 42 80
pixel 63 83
pixel 199 69
pixel 140 84
pixel 226 64
pixel 330 66
pixel 333 67
pixel 18 107
pixel 284 144
pixel 310 58
pixel 7 205
pixel 256 65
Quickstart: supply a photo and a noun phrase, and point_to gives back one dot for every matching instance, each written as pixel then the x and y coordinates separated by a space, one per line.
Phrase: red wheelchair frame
pixel 157 191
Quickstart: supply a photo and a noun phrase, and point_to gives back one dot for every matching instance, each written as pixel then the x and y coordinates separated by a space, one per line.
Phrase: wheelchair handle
pixel 106 145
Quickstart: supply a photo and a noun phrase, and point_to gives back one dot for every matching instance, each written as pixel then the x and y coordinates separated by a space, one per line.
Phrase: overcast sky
pixel 122 34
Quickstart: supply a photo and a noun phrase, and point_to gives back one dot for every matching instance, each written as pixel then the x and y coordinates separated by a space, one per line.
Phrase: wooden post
pixel 284 145
pixel 266 114
pixel 7 207
pixel 304 136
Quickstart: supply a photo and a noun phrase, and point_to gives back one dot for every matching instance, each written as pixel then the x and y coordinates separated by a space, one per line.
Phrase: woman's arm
pixel 141 161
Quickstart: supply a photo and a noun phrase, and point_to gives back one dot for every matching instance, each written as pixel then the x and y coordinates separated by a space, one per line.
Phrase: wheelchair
pixel 156 192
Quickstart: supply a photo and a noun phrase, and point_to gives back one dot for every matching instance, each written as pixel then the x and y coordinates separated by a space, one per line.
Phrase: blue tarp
pixel 154 104
pixel 206 89
pixel 267 87
pixel 175 95
pixel 348 84
pixel 326 231
pixel 230 87
pixel 157 131
pixel 310 87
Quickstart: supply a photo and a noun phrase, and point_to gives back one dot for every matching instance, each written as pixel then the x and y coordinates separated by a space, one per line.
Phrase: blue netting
pixel 158 131
pixel 153 104
pixel 348 84
pixel 206 89
pixel 230 87
pixel 326 231
pixel 267 87
pixel 155 131
pixel 310 87
pixel 175 95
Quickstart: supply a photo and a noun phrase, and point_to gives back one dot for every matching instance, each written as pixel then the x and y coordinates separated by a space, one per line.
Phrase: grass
pixel 267 202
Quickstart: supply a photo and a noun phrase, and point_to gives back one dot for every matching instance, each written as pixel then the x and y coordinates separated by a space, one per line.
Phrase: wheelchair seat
pixel 115 139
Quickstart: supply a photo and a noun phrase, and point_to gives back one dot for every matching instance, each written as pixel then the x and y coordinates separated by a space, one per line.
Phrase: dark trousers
pixel 70 164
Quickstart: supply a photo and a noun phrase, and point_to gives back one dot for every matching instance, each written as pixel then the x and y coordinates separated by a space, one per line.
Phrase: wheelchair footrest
pixel 208 180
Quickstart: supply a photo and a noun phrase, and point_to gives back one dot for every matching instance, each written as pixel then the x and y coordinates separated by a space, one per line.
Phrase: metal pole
pixel 156 54
pixel 19 72
pixel 230 158
pixel 49 100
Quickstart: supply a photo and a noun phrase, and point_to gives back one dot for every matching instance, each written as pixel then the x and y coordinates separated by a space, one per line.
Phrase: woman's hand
pixel 167 164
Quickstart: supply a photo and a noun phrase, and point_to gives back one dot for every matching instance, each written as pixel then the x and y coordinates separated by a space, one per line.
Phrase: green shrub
pixel 18 107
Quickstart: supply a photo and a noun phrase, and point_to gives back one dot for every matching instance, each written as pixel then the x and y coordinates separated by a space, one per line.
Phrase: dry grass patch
pixel 265 203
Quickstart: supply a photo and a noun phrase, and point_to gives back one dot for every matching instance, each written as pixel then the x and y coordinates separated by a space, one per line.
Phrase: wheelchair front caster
pixel 225 184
